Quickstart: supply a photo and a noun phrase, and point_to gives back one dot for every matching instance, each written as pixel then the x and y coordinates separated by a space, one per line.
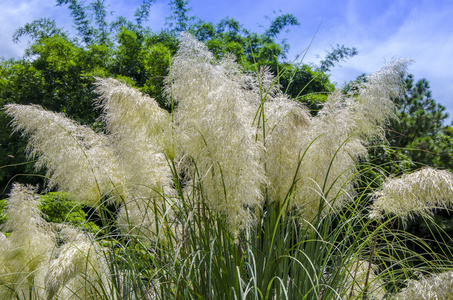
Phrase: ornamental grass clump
pixel 38 258
pixel 231 132
pixel 237 192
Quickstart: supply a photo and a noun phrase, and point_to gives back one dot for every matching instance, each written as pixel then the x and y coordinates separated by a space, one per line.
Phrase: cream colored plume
pixel 412 194
pixel 27 250
pixel 79 268
pixel 140 134
pixel 433 287
pixel 318 155
pixel 142 138
pixel 215 115
pixel 77 159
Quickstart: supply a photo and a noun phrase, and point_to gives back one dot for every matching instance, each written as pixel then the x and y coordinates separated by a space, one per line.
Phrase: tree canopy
pixel 417 136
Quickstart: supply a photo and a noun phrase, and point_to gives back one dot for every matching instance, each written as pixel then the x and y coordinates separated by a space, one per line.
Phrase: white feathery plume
pixel 140 133
pixel 328 169
pixel 435 287
pixel 28 248
pixel 142 138
pixel 78 267
pixel 373 107
pixel 77 159
pixel 417 193
pixel 316 156
pixel 287 124
pixel 331 143
pixel 215 116
pixel 355 119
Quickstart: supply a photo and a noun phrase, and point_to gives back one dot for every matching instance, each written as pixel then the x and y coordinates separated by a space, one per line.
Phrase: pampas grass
pixel 238 192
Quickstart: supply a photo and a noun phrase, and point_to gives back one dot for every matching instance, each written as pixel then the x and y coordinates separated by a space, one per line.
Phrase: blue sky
pixel 381 30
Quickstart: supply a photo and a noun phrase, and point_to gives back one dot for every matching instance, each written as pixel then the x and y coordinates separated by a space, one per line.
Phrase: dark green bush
pixel 58 207
pixel 3 207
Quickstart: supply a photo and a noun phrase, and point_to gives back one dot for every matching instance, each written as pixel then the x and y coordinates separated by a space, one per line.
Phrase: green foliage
pixel 179 19
pixel 3 207
pixel 279 23
pixel 101 31
pixel 39 29
pixel 251 50
pixel 58 207
pixel 420 128
pixel 420 114
pixel 336 55
pixel 394 160
pixel 156 62
pixel 306 84
pixel 142 12
pixel 21 82
pixel 127 55
pixel 64 69
pixel 82 22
